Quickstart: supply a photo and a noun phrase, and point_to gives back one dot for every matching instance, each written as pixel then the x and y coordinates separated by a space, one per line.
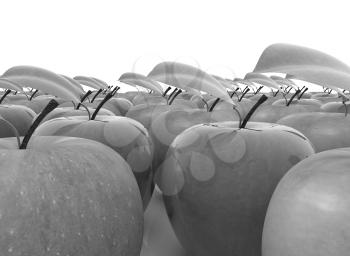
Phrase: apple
pixel 66 196
pixel 159 238
pixel 21 117
pixel 324 130
pixel 309 210
pixel 217 180
pixel 124 135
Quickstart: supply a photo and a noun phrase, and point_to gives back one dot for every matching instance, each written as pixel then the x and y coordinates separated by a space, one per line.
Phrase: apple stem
pixel 261 100
pixel 293 96
pixel 105 99
pixel 96 94
pixel 214 104
pixel 275 94
pixel 7 92
pixel 33 94
pixel 302 93
pixel 166 91
pixel 206 104
pixel 330 90
pixel 15 131
pixel 239 115
pixel 49 107
pixel 86 108
pixel 258 90
pixel 174 97
pixel 346 108
pixel 244 93
pixel 84 97
pixel 290 88
pixel 234 93
pixel 171 94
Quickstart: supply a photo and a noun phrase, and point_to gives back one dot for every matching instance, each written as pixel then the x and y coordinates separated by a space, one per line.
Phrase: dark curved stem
pixel 261 100
pixel 258 90
pixel 87 110
pixel 234 92
pixel 275 94
pixel 33 94
pixel 174 97
pixel 7 92
pixel 85 96
pixel 96 94
pixel 302 93
pixel 244 93
pixel 214 104
pixel 166 91
pixel 105 99
pixel 329 92
pixel 172 93
pixel 49 107
pixel 293 96
pixel 289 89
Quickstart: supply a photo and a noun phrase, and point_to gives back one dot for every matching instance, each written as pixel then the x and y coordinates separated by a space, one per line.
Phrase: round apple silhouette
pixel 217 180
pixel 308 212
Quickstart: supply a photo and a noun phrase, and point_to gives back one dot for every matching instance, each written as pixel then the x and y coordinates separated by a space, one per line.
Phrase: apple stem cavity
pixel 105 99
pixel 243 94
pixel 15 132
pixel 33 94
pixel 302 93
pixel 49 107
pixel 214 104
pixel 84 97
pixel 96 94
pixel 7 92
pixel 293 96
pixel 174 97
pixel 261 100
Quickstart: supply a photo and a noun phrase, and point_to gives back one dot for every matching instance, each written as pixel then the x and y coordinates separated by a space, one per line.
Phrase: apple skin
pixel 168 124
pixel 71 111
pixel 324 130
pixel 217 181
pixel 124 135
pixel 146 113
pixel 159 238
pixel 20 117
pixel 334 107
pixel 272 113
pixel 67 196
pixel 309 211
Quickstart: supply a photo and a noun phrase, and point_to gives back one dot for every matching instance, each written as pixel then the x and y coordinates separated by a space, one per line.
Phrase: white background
pixel 107 38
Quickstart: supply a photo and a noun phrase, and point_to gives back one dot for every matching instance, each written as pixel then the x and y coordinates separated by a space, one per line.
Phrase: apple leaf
pixel 278 57
pixel 262 79
pixel 88 81
pixel 141 80
pixel 100 81
pixel 74 82
pixel 245 82
pixel 42 79
pixel 188 77
pixel 8 84
pixel 330 78
pixel 226 82
pixel 284 81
